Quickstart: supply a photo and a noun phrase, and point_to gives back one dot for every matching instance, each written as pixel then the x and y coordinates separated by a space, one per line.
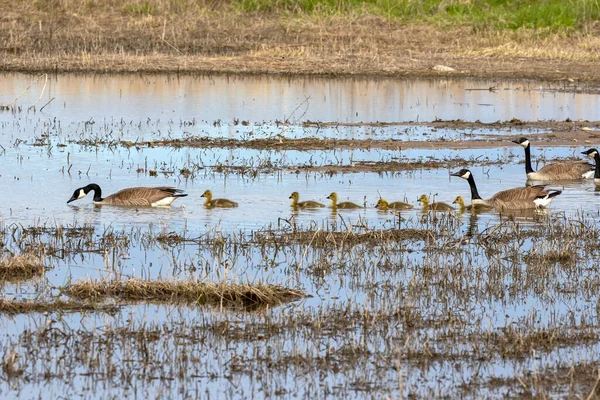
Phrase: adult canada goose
pixel 521 198
pixel 210 203
pixel 295 196
pixel 137 196
pixel 427 206
pixel 564 170
pixel 396 205
pixel 344 205
pixel 593 153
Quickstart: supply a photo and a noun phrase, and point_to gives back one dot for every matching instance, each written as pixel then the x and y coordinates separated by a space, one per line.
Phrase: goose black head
pixel 590 153
pixel 79 194
pixel 522 142
pixel 463 173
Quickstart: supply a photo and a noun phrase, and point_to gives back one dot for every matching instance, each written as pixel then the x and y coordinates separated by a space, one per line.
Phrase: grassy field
pixel 534 39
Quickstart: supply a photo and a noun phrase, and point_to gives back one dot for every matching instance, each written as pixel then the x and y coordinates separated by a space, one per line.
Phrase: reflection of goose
pixel 210 203
pixel 512 199
pixel 344 205
pixel 396 205
pixel 565 170
pixel 427 206
pixel 593 153
pixel 295 196
pixel 136 196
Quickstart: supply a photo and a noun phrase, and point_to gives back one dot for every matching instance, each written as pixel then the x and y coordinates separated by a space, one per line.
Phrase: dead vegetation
pixel 198 293
pixel 155 36
pixel 11 306
pixel 20 267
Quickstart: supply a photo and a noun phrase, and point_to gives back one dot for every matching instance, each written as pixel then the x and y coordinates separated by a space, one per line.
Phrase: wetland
pixel 265 301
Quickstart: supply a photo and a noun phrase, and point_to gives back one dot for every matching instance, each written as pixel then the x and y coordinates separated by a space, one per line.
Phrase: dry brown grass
pixel 199 293
pixel 11 306
pixel 105 36
pixel 20 268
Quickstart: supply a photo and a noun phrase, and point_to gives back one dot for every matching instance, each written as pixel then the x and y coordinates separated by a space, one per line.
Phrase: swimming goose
pixel 136 196
pixel 593 153
pixel 344 205
pixel 210 203
pixel 295 196
pixel 427 206
pixel 461 204
pixel 564 170
pixel 396 205
pixel 512 199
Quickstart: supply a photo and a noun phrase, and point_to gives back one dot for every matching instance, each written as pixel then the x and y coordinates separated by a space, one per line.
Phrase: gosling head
pixel 207 194
pixel 381 203
pixel 590 153
pixel 459 200
pixel 333 197
pixel 463 173
pixel 423 199
pixel 522 142
pixel 295 196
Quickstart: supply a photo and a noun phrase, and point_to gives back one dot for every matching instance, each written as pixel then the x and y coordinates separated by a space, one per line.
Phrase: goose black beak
pixel 455 174
pixel 71 199
pixel 515 141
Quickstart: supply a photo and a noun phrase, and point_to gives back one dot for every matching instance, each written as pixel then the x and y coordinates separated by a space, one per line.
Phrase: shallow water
pixel 41 167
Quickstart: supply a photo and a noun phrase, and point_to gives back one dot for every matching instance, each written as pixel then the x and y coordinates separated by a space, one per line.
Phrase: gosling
pixel 222 203
pixel 434 206
pixel 343 205
pixel 295 196
pixel 396 205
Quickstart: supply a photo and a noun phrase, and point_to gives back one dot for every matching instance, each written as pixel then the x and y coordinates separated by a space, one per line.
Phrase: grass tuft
pixel 20 268
pixel 200 293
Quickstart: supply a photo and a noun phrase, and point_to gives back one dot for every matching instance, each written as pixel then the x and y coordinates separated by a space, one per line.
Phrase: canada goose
pixel 594 154
pixel 137 196
pixel 512 199
pixel 295 196
pixel 557 171
pixel 461 204
pixel 396 205
pixel 427 206
pixel 210 203
pixel 346 204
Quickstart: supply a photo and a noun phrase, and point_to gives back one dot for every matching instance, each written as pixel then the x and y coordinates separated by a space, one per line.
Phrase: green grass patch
pixel 556 16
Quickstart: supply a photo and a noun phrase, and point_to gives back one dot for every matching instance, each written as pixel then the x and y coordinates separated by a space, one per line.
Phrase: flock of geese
pixel 530 197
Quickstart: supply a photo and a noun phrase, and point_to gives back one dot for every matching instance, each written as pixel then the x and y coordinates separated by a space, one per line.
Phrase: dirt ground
pixel 73 38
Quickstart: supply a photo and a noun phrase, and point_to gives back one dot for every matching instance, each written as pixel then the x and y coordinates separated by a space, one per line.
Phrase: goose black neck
pixel 96 189
pixel 597 161
pixel 528 168
pixel 474 193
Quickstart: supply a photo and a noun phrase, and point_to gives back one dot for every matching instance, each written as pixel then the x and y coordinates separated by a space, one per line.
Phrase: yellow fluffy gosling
pixel 343 205
pixel 295 196
pixel 434 206
pixel 396 205
pixel 210 203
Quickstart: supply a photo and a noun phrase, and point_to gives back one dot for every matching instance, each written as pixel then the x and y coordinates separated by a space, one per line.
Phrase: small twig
pixel 26 89
pixel 44 106
pixel 41 94
pixel 170 45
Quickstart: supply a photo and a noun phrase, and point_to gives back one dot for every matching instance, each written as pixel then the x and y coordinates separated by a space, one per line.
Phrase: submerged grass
pixel 11 306
pixel 199 293
pixel 20 268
